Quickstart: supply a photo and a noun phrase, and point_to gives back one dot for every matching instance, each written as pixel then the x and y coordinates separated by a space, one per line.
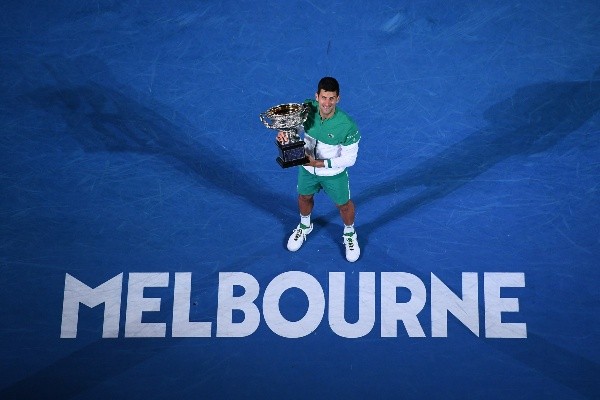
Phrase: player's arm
pixel 346 158
pixel 348 152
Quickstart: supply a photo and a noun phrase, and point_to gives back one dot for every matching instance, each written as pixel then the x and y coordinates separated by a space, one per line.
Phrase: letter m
pixel 77 293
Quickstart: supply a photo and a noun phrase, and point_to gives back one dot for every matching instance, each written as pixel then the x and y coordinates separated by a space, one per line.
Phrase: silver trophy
pixel 288 118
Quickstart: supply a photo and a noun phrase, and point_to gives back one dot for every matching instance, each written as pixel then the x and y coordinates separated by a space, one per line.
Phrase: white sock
pixel 348 229
pixel 305 220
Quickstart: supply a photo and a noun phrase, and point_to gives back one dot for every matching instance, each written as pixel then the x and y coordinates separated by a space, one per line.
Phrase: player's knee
pixel 345 207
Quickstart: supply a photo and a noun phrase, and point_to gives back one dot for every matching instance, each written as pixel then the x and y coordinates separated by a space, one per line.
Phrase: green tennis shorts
pixel 337 187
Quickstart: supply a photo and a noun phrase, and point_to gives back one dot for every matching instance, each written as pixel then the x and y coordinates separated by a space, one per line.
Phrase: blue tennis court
pixel 144 218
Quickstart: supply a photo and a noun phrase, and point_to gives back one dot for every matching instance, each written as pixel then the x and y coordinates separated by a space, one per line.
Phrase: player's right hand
pixel 281 137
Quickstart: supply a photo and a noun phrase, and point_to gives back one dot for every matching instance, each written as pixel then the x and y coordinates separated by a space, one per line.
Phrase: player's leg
pixel 347 212
pixel 308 185
pixel 306 203
pixel 338 189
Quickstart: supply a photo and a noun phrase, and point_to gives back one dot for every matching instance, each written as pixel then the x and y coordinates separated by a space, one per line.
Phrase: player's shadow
pixel 531 121
pixel 101 117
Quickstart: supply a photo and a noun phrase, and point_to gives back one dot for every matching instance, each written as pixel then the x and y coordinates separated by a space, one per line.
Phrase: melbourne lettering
pixel 240 293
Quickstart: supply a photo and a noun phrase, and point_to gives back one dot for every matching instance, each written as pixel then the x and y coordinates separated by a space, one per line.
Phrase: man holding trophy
pixel 330 147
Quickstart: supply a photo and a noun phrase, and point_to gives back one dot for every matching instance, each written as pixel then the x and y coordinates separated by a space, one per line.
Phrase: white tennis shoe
pixel 352 248
pixel 298 237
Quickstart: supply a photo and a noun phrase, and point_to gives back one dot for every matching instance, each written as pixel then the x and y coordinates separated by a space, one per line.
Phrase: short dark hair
pixel 329 84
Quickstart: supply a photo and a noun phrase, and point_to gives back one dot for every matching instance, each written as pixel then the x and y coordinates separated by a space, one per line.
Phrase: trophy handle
pixel 263 118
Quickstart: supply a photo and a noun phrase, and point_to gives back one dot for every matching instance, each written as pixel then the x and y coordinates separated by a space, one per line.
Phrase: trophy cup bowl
pixel 288 118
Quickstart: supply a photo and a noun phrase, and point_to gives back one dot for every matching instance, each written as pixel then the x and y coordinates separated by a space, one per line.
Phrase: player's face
pixel 327 102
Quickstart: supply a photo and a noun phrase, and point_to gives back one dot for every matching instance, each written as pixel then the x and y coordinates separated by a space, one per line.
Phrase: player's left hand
pixel 312 162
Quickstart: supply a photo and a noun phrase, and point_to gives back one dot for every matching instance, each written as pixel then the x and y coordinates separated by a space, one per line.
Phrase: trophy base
pixel 292 163
pixel 291 154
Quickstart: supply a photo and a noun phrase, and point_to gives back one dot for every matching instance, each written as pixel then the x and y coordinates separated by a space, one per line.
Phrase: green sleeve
pixel 352 136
